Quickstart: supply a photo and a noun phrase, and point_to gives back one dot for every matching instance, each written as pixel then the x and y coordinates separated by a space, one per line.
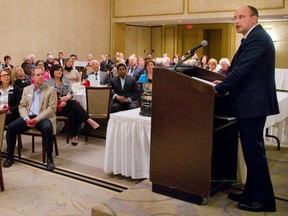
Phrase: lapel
pixel 42 96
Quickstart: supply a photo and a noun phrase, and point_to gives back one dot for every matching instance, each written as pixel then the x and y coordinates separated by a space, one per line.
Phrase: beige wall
pixel 39 26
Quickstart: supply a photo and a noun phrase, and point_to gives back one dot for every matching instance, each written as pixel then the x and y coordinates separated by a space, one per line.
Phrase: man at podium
pixel 251 86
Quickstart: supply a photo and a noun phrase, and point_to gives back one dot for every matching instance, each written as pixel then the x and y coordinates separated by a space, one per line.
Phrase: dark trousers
pixel 19 126
pixel 76 115
pixel 117 106
pixel 258 185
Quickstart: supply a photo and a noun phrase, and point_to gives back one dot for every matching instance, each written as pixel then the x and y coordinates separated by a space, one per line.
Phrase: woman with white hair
pixel 225 64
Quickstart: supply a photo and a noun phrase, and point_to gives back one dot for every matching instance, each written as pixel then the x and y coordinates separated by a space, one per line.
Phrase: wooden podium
pixel 189 146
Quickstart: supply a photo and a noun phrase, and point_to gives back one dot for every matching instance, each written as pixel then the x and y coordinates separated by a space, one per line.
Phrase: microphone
pixel 202 44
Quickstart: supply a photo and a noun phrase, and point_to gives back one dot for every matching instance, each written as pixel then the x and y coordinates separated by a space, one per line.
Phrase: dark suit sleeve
pixel 250 52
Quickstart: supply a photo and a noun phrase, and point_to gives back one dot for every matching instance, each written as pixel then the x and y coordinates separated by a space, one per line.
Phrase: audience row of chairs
pixel 98 108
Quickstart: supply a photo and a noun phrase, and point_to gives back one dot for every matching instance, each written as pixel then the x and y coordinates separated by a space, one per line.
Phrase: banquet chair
pixel 67 126
pixel 98 101
pixel 2 126
pixel 36 133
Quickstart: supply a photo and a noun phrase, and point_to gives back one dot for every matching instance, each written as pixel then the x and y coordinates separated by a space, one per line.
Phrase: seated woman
pixel 10 96
pixel 66 106
pixel 41 63
pixel 212 63
pixel 71 73
pixel 21 79
pixel 146 78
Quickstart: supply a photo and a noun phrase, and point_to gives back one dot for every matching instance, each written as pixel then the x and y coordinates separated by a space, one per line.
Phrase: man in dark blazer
pixel 251 86
pixel 61 59
pixel 134 70
pixel 125 91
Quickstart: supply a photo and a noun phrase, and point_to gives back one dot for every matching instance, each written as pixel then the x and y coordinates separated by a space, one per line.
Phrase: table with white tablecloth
pixel 127 150
pixel 278 124
pixel 281 79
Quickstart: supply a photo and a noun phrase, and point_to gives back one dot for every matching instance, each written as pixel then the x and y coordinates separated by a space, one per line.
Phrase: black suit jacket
pixel 14 97
pixel 130 89
pixel 251 78
pixel 138 71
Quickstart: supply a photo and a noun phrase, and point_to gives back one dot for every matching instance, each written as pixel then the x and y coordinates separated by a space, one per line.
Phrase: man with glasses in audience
pixel 251 86
pixel 97 77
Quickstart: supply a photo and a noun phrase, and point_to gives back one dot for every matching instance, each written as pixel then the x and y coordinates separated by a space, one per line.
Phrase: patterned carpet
pixel 34 192
pixel 141 201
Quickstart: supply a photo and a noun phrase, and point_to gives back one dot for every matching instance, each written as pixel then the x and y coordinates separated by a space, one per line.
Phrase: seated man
pixel 97 77
pixel 37 110
pixel 125 91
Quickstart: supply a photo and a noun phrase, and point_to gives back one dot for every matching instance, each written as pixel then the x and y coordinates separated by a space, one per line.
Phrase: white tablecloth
pixel 79 94
pixel 127 150
pixel 278 124
pixel 281 78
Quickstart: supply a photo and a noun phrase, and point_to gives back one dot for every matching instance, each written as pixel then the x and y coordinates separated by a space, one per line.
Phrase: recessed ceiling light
pixel 285 16
pixel 163 24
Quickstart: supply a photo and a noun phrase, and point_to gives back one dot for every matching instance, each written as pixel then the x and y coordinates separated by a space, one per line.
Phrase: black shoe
pixel 240 197
pixel 50 164
pixel 8 162
pixel 256 207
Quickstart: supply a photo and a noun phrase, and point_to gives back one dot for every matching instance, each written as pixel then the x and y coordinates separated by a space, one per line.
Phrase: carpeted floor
pixel 31 191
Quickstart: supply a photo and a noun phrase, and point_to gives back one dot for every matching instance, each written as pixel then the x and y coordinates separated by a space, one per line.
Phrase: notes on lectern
pixel 204 81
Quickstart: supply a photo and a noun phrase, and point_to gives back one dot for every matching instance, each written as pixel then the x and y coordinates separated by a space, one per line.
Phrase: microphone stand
pixel 181 61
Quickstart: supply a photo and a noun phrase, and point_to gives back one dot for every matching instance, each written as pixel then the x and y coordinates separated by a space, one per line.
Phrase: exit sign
pixel 189 26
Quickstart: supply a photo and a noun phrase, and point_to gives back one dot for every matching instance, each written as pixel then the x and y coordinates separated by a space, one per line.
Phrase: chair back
pixel 98 102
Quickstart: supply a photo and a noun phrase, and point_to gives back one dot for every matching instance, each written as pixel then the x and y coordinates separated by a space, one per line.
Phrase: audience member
pixel 48 63
pixel 116 63
pixel 104 60
pixel 212 63
pixel 134 70
pixel 66 105
pixel 37 110
pixel 70 73
pixel 146 78
pixel 176 58
pixel 27 69
pixel 225 64
pixel 32 61
pixel 41 64
pixel 10 95
pixel 7 62
pixel 21 79
pixel 204 62
pixel 140 61
pixel 89 59
pixel 97 76
pixel 56 61
pixel 125 91
pixel 61 58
